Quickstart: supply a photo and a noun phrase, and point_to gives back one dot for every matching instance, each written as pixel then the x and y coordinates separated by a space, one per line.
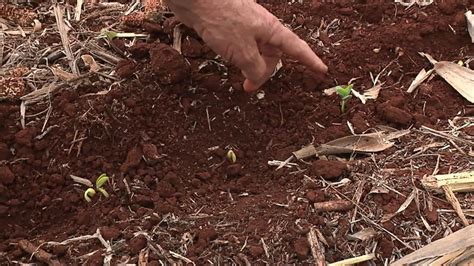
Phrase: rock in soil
pixel 6 175
pixel 168 64
pixel 329 170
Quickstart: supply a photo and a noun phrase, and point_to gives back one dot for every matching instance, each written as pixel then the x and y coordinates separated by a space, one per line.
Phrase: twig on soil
pixel 2 44
pixel 427 130
pixel 143 257
pixel 127 187
pixel 78 11
pixel 208 119
pixel 356 199
pixel 181 257
pixel 335 205
pixel 38 253
pixel 265 248
pixel 317 250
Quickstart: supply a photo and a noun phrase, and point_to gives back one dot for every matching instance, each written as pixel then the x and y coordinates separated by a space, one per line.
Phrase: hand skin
pixel 247 35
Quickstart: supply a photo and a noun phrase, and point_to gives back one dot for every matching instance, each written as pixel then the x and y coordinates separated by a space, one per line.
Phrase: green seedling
pixel 344 93
pixel 231 156
pixel 99 183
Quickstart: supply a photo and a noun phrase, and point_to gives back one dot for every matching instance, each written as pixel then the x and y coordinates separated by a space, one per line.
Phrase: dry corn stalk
pixel 458 182
pixel 459 241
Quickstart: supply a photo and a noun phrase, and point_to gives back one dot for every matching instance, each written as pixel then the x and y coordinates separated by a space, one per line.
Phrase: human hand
pixel 247 35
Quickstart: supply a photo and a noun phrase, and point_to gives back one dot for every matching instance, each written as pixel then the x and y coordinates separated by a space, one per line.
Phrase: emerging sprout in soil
pixel 345 93
pixel 231 156
pixel 90 192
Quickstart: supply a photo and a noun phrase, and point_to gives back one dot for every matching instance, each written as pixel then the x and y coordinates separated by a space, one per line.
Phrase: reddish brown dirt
pixel 162 136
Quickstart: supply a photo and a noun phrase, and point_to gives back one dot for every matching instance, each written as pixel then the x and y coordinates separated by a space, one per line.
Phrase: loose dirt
pixel 162 134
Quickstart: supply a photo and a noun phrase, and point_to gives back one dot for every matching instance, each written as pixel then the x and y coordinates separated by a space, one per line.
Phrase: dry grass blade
pixel 78 11
pixel 455 203
pixel 177 38
pixel 63 30
pixel 353 261
pixel 420 78
pixel 470 24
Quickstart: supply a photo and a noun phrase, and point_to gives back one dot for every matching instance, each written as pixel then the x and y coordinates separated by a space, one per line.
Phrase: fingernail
pixel 249 86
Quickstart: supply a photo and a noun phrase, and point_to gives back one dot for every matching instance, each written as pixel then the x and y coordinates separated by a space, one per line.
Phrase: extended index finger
pixel 290 44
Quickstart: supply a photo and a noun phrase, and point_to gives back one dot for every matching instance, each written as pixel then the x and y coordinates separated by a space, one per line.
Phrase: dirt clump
pixel 302 248
pixel 110 232
pixel 125 68
pixel 137 243
pixel 6 175
pixel 134 156
pixel 329 169
pixel 25 136
pixel 168 65
pixel 395 115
